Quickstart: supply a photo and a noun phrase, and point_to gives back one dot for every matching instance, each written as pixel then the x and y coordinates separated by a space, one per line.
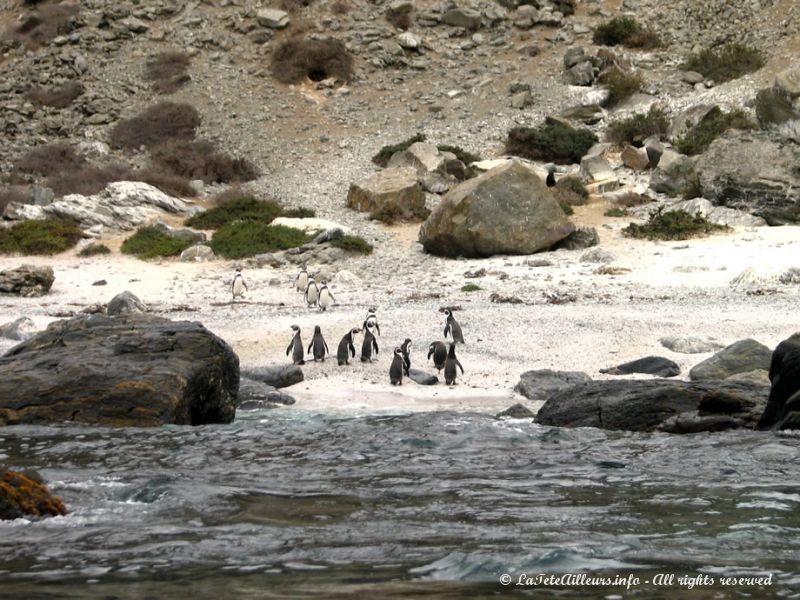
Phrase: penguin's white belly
pixel 302 283
pixel 238 288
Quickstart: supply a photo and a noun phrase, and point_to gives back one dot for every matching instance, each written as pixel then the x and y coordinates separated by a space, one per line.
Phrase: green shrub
pixel 621 84
pixel 49 236
pixel 151 242
pixel 94 250
pixel 241 239
pixel 470 287
pixel 463 155
pixel 636 128
pixel 566 207
pixel 619 31
pixel 726 62
pixel 300 212
pixel 573 184
pixel 353 243
pixel 616 212
pixel 241 209
pixel 699 138
pixel 552 142
pixel 673 225
pixel 385 153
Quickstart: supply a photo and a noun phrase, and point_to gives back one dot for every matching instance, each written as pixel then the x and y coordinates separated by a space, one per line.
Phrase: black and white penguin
pixel 296 347
pixel 325 296
pixel 396 369
pixel 347 348
pixel 312 292
pixel 318 345
pixel 452 328
pixel 371 318
pixel 450 366
pixel 439 352
pixel 238 286
pixel 406 348
pixel 551 176
pixel 301 281
pixel 369 345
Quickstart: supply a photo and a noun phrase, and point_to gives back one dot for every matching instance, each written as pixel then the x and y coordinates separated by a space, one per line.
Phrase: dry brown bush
pixel 399 18
pixel 87 180
pixel 167 72
pixel 56 97
pixel 19 194
pixel 44 23
pixel 168 183
pixel 298 57
pixel 201 160
pixel 50 159
pixel 159 123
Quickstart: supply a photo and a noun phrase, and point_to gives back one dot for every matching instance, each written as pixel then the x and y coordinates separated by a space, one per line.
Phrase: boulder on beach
pixel 507 210
pixel 649 365
pixel 278 376
pixel 124 303
pixel 27 280
pixel 129 370
pixel 24 495
pixel 256 395
pixel 393 193
pixel 783 406
pixel 540 384
pixel 740 357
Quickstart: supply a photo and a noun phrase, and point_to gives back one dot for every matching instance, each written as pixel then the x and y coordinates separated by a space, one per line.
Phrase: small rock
pixel 517 411
pixel 649 365
pixel 27 280
pixel 19 330
pixel 124 303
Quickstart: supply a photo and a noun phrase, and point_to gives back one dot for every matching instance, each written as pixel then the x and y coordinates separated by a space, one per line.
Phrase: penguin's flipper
pixel 310 346
pixel 352 349
pixel 375 345
pixel 446 329
pixel 289 347
pixel 377 327
pixel 430 351
pixel 324 343
pixel 460 367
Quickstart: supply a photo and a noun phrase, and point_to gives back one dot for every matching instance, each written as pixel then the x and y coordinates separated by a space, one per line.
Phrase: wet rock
pixel 23 495
pixel 126 303
pixel 649 365
pixel 279 376
pixel 120 371
pixel 517 411
pixel 19 330
pixel 739 357
pixel 783 406
pixel 254 395
pixel 540 384
pixel 27 280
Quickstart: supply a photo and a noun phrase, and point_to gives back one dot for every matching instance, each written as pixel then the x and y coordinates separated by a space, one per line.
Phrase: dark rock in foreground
pixel 24 495
pixel 649 365
pixel 254 395
pixel 128 370
pixel 27 280
pixel 657 405
pixel 783 406
pixel 517 411
pixel 278 376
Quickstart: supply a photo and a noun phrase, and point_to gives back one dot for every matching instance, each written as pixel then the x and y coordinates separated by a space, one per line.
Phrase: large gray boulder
pixel 783 407
pixel 27 280
pixel 393 193
pixel 740 357
pixel 751 172
pixel 129 370
pixel 278 376
pixel 507 210
pixel 124 303
pixel 673 173
pixel 656 405
pixel 423 157
pixel 540 384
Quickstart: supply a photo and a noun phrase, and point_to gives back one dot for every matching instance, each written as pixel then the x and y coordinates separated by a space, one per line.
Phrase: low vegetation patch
pixel 55 97
pixel 44 23
pixel 699 138
pixel 241 239
pixel 566 207
pixel 399 17
pixel 552 142
pixel 299 213
pixel 50 159
pixel 49 236
pixel 386 152
pixel 353 243
pixel 464 156
pixel 573 184
pixel 156 125
pixel 727 62
pixel 631 199
pixel 94 250
pixel 169 183
pixel 239 209
pixel 13 193
pixel 621 84
pixel 87 180
pixel 167 72
pixel 151 242
pixel 637 128
pixel 616 212
pixel 570 191
pixel 470 287
pixel 201 160
pixel 625 31
pixel 299 57
pixel 673 225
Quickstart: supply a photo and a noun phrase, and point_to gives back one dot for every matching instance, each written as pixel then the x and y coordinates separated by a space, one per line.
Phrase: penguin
pixel 238 286
pixel 452 328
pixel 301 281
pixel 450 366
pixel 439 352
pixel 312 292
pixel 325 296
pixel 371 318
pixel 368 345
pixel 396 369
pixel 551 176
pixel 296 347
pixel 406 348
pixel 318 345
pixel 347 349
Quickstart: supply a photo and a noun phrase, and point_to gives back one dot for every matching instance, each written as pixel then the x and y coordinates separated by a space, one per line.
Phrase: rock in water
pixel 649 365
pixel 128 370
pixel 783 406
pixel 27 280
pixel 517 411
pixel 24 495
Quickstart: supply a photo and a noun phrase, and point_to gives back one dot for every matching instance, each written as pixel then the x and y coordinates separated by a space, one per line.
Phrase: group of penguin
pixel 315 295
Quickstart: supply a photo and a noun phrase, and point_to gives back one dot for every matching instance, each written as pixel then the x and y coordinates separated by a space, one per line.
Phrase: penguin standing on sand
pixel 301 281
pixel 325 296
pixel 238 286
pixel 450 366
pixel 371 318
pixel 439 352
pixel 369 344
pixel 296 347
pixel 406 348
pixel 396 369
pixel 347 349
pixel 551 175
pixel 312 293
pixel 452 328
pixel 318 345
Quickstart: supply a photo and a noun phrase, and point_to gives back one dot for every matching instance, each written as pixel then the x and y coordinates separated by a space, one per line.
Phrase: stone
pixel 125 303
pixel 790 276
pixel 462 17
pixel 690 345
pixel 656 405
pixel 521 100
pixel 256 395
pixel 589 114
pixel 690 118
pixel 198 253
pixel 574 56
pixel 393 191
pixel 789 81
pixel 24 495
pixel 272 18
pixel 183 233
pixel 27 280
pixel 120 371
pixel 582 74
pixel 540 384
pixel 649 365
pixel 654 150
pixel 717 214
pixel 774 107
pixel 507 210
pixel 673 174
pixel 597 255
pixel 596 168
pixel 783 406
pixel 739 357
pixel 635 158
pixel 20 330
pixel 422 378
pixel 423 157
pixel 692 77
pixel 279 376
pixel 409 41
pixel 580 239
pixel 517 411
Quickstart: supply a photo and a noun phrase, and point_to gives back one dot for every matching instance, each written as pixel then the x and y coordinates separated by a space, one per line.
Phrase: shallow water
pixel 287 504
